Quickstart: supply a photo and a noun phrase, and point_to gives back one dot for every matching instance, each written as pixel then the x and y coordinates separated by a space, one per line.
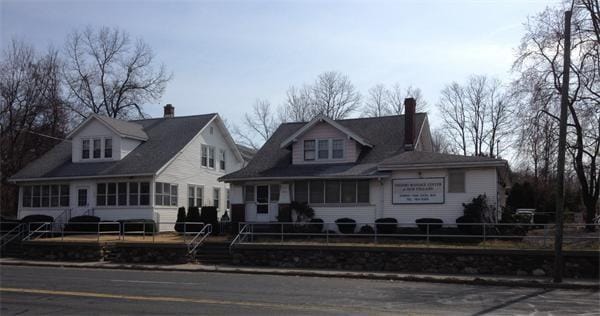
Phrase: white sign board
pixel 418 191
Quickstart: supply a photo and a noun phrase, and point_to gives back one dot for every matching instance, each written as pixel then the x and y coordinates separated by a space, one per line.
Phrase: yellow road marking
pixel 180 299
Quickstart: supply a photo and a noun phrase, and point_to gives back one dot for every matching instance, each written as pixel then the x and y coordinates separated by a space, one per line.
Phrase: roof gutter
pixel 82 177
pixel 391 167
pixel 303 178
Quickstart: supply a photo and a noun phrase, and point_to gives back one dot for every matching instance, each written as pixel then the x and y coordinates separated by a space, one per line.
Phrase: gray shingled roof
pixel 386 134
pixel 125 128
pixel 166 137
pixel 410 158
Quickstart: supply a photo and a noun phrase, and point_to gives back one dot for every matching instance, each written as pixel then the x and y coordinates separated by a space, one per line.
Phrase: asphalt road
pixel 66 291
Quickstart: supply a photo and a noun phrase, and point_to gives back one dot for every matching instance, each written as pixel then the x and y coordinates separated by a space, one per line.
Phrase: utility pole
pixel 562 142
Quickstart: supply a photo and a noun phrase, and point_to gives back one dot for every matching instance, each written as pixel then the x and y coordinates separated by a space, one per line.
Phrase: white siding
pixel 186 169
pixel 477 181
pixel 325 131
pixel 127 146
pixel 94 129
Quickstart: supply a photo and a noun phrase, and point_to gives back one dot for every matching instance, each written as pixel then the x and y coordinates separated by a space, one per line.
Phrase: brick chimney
pixel 410 105
pixel 169 111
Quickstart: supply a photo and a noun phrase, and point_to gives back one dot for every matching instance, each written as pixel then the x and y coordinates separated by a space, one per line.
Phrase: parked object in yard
pixel 529 212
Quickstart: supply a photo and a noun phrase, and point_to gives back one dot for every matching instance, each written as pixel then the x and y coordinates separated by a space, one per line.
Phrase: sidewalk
pixel 537 282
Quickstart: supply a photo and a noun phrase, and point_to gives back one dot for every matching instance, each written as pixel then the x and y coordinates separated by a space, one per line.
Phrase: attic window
pixel 309 150
pixel 108 148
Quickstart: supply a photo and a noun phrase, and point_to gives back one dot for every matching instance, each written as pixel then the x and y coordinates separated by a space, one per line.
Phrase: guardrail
pixel 199 238
pixel 12 234
pixel 328 233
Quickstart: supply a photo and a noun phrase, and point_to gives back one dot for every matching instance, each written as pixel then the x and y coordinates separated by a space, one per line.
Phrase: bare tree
pixel 258 126
pixel 334 96
pixel 108 73
pixel 33 116
pixel 298 106
pixel 396 95
pixel 440 142
pixel 540 52
pixel 453 109
pixel 377 103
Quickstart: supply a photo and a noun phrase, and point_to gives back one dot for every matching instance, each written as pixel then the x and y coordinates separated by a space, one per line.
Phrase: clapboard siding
pixel 324 131
pixel 477 181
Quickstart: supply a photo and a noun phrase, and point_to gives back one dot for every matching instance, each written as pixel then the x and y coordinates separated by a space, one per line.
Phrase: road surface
pixel 68 291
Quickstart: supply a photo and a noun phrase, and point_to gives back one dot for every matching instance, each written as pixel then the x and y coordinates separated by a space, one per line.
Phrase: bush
pixel 193 215
pixel 148 226
pixel 209 216
pixel 421 223
pixel 346 225
pixel 37 218
pixel 316 225
pixel 367 230
pixel 304 213
pixel 84 223
pixel 180 219
pixel 386 225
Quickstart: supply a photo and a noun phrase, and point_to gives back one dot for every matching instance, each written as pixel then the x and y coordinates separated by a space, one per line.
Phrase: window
pixel 204 158
pixel 332 191
pixel 111 194
pixel 337 149
pixel 228 203
pixel 309 150
pixel 191 196
pixel 108 148
pixel 144 193
pixel 199 195
pixel 85 149
pixel 97 149
pixel 133 193
pixel 222 159
pixel 54 195
pixel 317 195
pixel 216 197
pixel 262 199
pixel 274 192
pixel 101 194
pixel 456 181
pixel 82 197
pixel 165 194
pixel 249 193
pixel 211 157
pixel 323 149
pixel 301 191
pixel 122 193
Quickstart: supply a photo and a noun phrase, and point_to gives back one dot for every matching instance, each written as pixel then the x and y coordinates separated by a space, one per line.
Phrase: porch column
pixel 238 208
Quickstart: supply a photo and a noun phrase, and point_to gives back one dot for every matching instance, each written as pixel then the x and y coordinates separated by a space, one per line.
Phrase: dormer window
pixel 326 149
pixel 85 149
pixel 108 148
pixel 96 148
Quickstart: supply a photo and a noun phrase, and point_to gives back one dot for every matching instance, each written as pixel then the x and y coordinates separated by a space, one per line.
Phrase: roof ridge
pixel 173 118
pixel 360 118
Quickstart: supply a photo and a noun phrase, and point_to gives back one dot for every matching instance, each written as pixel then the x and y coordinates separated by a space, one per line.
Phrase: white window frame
pixel 196 188
pixel 61 194
pixel 218 197
pixel 128 194
pixel 102 140
pixel 170 195
pixel 329 149
pixel 222 161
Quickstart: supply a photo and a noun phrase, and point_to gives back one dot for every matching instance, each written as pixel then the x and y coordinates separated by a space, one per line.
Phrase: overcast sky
pixel 225 54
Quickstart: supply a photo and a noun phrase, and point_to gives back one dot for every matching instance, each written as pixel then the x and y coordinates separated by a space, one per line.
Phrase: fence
pixel 539 235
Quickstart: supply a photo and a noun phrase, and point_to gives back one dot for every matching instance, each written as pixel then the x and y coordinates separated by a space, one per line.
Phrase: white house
pixel 141 169
pixel 364 169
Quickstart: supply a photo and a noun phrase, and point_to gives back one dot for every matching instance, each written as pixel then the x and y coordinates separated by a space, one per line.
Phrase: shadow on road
pixel 513 301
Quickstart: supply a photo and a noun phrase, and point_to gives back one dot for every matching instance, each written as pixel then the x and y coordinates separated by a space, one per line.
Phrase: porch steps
pixel 213 252
pixel 12 250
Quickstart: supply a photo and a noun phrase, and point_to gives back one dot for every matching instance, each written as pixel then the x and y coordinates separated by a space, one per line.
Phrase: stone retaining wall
pixel 444 261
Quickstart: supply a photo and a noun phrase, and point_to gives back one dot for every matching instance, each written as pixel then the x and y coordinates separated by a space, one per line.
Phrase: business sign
pixel 418 191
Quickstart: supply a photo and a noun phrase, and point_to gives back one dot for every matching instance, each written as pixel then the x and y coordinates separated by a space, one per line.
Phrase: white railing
pixel 328 233
pixel 199 238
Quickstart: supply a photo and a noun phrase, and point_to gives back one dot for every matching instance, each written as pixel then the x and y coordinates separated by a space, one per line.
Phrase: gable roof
pixel 412 159
pixel 127 129
pixel 166 137
pixel 384 134
pixel 292 138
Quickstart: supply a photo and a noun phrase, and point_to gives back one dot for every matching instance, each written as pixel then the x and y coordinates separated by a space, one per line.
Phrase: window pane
pixel 249 196
pixel 204 155
pixel 211 157
pixel 101 194
pixel 191 195
pixel 337 151
pixel 108 148
pixel 363 191
pixel 97 148
pixel 82 197
pixel 144 193
pixel 332 191
pixel 85 149
pixel 349 192
pixel 216 197
pixel 101 188
pixel 456 181
pixel 45 196
pixel 26 196
pixel 323 149
pixel 262 193
pixel 274 192
pixel 133 193
pixel 64 195
pixel 54 195
pixel 309 150
pixel 36 196
pixel 228 200
pixel 222 160
pixel 301 191
pixel 158 187
pixel 122 189
pixel 316 191
pixel 173 195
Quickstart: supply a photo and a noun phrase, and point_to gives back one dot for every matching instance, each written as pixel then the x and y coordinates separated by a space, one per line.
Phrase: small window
pixel 45 196
pixel 249 193
pixel 64 195
pixel 144 193
pixel 101 194
pixel 108 148
pixel 204 158
pixel 216 197
pixel 122 193
pixel 97 148
pixel 274 192
pixel 337 151
pixel 456 181
pixel 174 194
pixel 82 197
pixel 323 152
pixel 54 195
pixel 133 193
pixel 211 157
pixel 199 195
pixel 222 159
pixel 363 191
pixel 316 191
pixel 332 192
pixel 85 149
pixel 26 196
pixel 36 195
pixel 349 192
pixel 301 191
pixel 111 194
pixel 191 196
pixel 309 150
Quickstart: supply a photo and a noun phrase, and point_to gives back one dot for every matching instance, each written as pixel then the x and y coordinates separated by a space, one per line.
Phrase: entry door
pixel 262 203
pixel 82 204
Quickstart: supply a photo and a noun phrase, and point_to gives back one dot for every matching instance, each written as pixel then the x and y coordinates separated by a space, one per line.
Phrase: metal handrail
pixel 9 236
pixel 37 230
pixel 241 236
pixel 199 238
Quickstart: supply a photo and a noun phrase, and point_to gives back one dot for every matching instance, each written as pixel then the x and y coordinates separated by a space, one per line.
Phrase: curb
pixel 490 281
